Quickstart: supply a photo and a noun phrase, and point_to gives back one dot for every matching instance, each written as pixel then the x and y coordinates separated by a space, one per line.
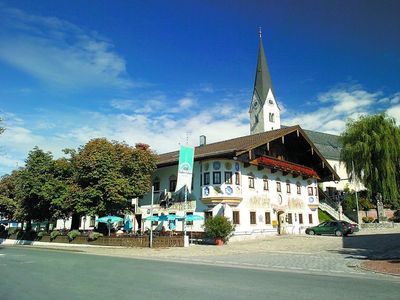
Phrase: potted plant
pixel 219 228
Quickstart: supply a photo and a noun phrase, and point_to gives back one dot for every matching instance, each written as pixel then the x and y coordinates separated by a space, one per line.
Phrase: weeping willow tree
pixel 372 145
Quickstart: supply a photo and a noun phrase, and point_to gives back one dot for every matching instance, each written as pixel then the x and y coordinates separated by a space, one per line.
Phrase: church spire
pixel 264 111
pixel 262 83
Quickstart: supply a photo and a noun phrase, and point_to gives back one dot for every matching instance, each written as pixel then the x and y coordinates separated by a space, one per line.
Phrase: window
pixel 316 191
pixel 290 218
pixel 236 217
pixel 298 188
pixel 156 184
pixel 265 184
pixel 253 218
pixel 216 177
pixel 267 217
pixel 271 117
pixel 300 218
pixel 310 191
pixel 288 187
pixel 172 185
pixel 237 178
pixel 92 221
pixel 206 178
pixel 251 182
pixel 228 177
pixel 207 215
pixel 310 221
pixel 154 223
pixel 278 187
pixel 189 222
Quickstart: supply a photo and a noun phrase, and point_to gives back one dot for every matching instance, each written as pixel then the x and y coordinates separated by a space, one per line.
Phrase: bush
pixel 219 227
pixel 73 234
pixel 43 233
pixel 54 234
pixel 94 236
pixel 14 231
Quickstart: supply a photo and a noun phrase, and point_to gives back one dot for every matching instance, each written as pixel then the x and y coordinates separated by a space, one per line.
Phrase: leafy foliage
pixel 73 234
pixel 219 227
pixel 37 187
pixel 108 174
pixel 100 178
pixel 2 129
pixel 94 236
pixel 373 144
pixel 43 233
pixel 54 234
pixel 8 204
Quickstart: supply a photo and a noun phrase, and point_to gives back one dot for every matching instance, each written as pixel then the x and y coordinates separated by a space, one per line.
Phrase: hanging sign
pixel 185 168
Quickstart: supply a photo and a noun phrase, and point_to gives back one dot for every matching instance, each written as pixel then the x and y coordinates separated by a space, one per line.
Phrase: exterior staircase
pixel 328 205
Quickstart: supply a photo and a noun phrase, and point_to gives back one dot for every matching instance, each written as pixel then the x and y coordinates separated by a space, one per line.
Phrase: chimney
pixel 203 141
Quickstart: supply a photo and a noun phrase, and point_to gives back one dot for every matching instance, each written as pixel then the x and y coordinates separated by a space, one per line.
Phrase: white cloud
pixel 336 107
pixel 394 112
pixel 58 52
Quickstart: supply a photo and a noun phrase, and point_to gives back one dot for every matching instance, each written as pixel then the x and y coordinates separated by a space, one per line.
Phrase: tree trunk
pixel 75 221
pixel 28 225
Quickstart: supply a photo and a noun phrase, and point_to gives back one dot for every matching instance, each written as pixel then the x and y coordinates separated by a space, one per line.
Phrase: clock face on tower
pixel 255 103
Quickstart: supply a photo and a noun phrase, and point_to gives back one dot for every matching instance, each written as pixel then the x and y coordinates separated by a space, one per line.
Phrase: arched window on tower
pixel 271 117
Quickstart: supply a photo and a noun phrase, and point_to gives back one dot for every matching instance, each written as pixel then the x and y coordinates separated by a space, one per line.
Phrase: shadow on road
pixel 373 246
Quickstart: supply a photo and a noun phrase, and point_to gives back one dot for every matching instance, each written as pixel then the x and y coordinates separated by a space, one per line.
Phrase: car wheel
pixel 338 233
pixel 311 232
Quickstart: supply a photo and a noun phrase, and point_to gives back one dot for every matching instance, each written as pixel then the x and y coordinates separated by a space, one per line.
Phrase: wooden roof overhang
pixel 243 148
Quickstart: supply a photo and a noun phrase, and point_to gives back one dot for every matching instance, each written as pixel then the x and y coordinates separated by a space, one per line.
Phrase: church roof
pixel 328 144
pixel 262 82
pixel 232 146
pixel 241 145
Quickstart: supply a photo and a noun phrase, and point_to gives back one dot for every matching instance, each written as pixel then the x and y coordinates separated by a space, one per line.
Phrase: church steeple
pixel 264 111
pixel 262 83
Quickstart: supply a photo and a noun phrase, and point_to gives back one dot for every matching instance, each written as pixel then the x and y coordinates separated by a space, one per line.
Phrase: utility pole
pixel 184 213
pixel 151 215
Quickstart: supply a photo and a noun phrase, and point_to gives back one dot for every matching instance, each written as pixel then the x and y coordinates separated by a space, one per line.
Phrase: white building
pixel 265 183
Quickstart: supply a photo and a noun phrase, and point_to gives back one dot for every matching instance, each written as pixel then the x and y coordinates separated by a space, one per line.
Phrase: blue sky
pixel 162 72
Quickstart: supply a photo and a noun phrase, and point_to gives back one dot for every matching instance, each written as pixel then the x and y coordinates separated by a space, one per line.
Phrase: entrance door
pixel 281 222
pixel 139 223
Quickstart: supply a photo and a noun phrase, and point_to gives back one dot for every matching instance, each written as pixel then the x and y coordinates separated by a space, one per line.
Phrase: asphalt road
pixel 31 273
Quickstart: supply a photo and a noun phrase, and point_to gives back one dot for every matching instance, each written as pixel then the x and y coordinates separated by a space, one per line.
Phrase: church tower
pixel 264 111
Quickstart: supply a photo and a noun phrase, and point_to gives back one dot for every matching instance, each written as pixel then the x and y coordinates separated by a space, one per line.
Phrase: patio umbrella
pixel 167 217
pixel 108 220
pixel 191 218
pixel 152 218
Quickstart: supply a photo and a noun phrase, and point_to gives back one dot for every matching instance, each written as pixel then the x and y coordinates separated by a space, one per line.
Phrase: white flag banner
pixel 185 168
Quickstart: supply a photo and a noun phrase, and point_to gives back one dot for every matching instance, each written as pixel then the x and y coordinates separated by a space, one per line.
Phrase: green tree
pixel 1 127
pixel 109 174
pixel 372 144
pixel 38 190
pixel 8 204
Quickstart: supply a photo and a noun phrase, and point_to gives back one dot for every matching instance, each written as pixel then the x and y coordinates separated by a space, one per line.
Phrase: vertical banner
pixel 185 168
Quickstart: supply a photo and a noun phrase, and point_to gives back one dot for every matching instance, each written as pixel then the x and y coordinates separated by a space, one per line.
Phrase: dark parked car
pixel 353 227
pixel 338 228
